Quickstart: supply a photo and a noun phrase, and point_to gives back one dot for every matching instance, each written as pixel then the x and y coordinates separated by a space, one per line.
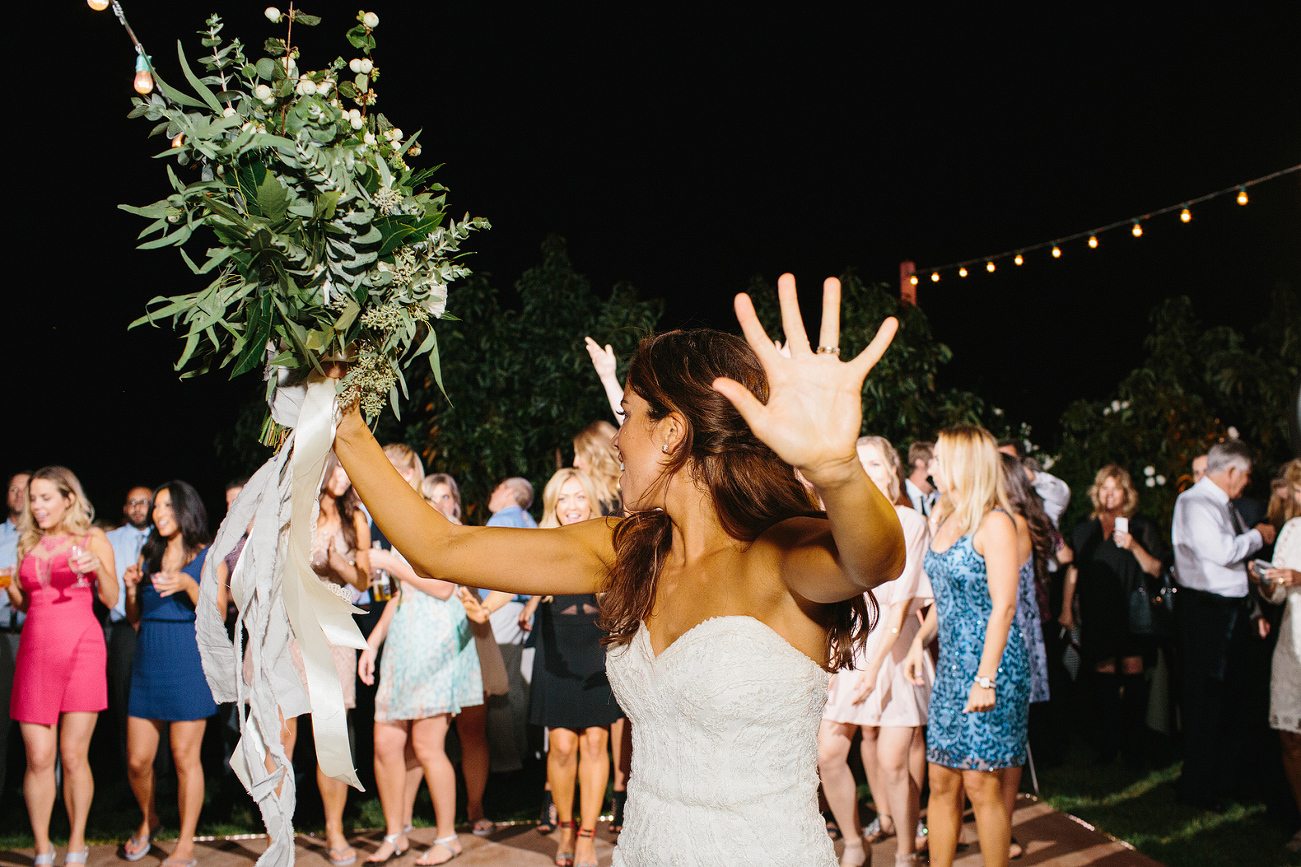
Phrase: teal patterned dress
pixel 430 665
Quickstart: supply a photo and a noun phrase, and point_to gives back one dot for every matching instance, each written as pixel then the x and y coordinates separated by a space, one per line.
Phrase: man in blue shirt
pixel 119 634
pixel 11 622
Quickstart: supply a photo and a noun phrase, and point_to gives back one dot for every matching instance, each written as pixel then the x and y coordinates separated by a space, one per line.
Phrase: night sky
pixel 685 150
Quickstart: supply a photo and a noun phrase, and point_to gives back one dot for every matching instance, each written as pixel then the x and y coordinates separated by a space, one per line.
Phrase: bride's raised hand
pixel 814 408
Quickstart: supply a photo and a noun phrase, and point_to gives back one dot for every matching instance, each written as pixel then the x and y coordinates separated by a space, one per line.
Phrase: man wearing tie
pixel 917 485
pixel 1212 616
pixel 119 634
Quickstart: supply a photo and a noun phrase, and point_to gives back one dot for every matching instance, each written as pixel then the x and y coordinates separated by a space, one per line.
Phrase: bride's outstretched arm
pixel 812 420
pixel 572 559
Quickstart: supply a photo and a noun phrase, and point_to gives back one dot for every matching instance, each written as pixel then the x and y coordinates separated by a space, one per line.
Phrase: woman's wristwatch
pixel 984 682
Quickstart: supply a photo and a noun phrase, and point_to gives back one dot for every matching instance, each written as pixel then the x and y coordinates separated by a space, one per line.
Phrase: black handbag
pixel 1152 605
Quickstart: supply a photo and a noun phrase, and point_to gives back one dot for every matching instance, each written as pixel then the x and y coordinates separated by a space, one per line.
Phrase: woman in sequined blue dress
pixel 981 698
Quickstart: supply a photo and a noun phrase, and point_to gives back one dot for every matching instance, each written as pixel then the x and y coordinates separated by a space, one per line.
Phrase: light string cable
pixel 144 70
pixel 1135 224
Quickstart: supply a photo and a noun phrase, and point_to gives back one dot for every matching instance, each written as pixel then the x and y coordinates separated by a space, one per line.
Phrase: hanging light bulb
pixel 1093 241
pixel 962 272
pixel 179 140
pixel 989 266
pixel 144 78
pixel 1185 215
pixel 1242 195
pixel 1137 231
pixel 913 279
pixel 1020 260
pixel 935 276
pixel 1057 252
pixel 97 5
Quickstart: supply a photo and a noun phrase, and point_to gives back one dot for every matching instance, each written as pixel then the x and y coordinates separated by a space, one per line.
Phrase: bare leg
pixel 414 776
pixel 562 768
pixel 944 815
pixel 470 725
pixel 917 771
pixel 621 747
pixel 42 743
pixel 834 741
pixel 1292 762
pixel 984 788
pixel 75 730
pixel 187 740
pixel 429 736
pixel 334 797
pixel 391 746
pixel 1010 784
pixel 875 782
pixel 142 738
pixel 593 774
pixel 892 753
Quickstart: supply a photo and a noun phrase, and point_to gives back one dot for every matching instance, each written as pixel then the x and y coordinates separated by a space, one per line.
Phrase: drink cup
pixel 1122 525
pixel 6 576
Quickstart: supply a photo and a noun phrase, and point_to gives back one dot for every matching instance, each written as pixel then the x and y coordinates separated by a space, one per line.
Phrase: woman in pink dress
pixel 60 684
pixel 876 697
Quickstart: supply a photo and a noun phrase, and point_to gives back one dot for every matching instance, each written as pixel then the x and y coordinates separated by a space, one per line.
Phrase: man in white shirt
pixel 921 493
pixel 1211 548
pixel 11 621
pixel 119 634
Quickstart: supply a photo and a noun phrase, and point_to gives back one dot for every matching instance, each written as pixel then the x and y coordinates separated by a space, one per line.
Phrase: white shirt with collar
pixel 1055 493
pixel 1211 546
pixel 127 542
pixel 9 557
pixel 922 503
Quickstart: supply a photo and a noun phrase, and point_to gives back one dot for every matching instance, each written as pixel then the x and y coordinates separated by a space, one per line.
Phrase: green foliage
pixel 328 244
pixel 520 382
pixel 901 400
pixel 1194 385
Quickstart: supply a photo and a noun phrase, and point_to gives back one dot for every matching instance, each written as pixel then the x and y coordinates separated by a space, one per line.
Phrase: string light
pixel 1092 237
pixel 97 5
pixel 144 82
pixel 179 140
pixel 913 279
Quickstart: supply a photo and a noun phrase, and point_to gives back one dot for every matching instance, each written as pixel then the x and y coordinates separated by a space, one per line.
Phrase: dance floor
pixel 1049 837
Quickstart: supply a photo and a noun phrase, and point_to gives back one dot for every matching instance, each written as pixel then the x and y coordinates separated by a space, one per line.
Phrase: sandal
pixel 589 833
pixel 483 827
pixel 616 821
pixel 863 855
pixel 547 822
pixel 873 833
pixel 340 857
pixel 442 841
pixel 44 859
pixel 77 857
pixel 1016 847
pixel 141 847
pixel 391 839
pixel 168 862
pixel 833 830
pixel 565 859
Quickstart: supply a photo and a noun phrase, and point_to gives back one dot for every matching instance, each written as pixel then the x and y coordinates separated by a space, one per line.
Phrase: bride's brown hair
pixel 751 488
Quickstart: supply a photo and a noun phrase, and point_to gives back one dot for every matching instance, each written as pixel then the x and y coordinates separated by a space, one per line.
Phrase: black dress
pixel 570 689
pixel 1107 575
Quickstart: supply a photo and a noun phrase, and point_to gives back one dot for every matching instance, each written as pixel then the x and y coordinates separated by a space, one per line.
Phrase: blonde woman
pixel 1282 584
pixel 876 697
pixel 60 685
pixel 980 702
pixel 594 454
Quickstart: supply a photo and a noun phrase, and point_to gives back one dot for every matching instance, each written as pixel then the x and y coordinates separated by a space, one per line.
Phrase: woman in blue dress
pixel 168 688
pixel 981 698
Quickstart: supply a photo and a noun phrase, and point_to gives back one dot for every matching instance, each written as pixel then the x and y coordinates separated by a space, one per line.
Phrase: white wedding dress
pixel 725 749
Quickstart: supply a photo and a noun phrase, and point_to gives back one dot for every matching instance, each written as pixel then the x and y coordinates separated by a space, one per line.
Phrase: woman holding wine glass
pixel 60 684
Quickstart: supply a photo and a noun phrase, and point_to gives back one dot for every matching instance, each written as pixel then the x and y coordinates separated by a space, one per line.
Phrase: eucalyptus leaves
pixel 327 243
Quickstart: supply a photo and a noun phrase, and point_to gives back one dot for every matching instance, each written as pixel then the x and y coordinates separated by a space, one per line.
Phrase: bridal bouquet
pixel 326 243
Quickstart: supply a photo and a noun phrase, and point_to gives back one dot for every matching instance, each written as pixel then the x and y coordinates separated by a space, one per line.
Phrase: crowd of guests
pixel 997 608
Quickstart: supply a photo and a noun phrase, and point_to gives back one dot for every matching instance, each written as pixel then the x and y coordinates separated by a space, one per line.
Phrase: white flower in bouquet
pixel 355 65
pixel 1160 480
pixel 371 20
pixel 262 92
pixel 366 66
pixel 1149 470
pixel 273 14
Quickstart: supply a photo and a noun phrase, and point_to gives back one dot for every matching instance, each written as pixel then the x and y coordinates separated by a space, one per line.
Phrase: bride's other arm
pixel 571 559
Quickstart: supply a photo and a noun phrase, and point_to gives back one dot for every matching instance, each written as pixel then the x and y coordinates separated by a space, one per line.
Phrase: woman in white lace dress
pixel 1282 584
pixel 726 596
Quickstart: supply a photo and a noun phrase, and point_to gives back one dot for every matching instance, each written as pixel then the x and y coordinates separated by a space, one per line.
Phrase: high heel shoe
pixel 616 821
pixel 547 822
pixel 565 859
pixel 590 834
pixel 855 854
pixel 392 840
pixel 441 842
pixel 44 859
pixel 77 857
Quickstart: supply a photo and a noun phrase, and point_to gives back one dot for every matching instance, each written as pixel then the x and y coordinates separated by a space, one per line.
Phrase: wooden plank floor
pixel 1049 837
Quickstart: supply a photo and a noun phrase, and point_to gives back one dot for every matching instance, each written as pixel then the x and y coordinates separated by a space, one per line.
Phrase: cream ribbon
pixel 319 618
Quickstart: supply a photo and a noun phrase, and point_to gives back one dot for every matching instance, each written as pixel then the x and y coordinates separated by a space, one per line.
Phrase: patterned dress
pixel 430 664
pixel 1027 620
pixel 991 739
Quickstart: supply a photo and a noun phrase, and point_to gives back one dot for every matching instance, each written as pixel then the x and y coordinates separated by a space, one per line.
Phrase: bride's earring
pixel 665 448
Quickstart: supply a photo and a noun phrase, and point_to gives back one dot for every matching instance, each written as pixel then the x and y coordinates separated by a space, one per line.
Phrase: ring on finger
pixel 828 350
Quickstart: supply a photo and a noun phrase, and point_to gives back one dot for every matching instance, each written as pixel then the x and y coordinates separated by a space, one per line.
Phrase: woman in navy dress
pixel 168 689
pixel 981 698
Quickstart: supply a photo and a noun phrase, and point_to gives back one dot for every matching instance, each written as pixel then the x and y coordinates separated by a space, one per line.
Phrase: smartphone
pixel 1122 525
pixel 1261 565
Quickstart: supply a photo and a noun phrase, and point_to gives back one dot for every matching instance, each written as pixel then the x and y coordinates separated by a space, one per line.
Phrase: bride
pixel 727 598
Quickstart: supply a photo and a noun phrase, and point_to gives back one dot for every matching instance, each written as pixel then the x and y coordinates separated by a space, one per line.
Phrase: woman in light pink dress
pixel 876 696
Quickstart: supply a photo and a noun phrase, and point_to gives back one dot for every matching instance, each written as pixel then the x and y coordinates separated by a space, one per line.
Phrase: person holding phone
pixel 1114 549
pixel 60 678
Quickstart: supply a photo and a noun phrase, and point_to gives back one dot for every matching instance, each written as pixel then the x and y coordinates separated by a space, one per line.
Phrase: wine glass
pixel 74 562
